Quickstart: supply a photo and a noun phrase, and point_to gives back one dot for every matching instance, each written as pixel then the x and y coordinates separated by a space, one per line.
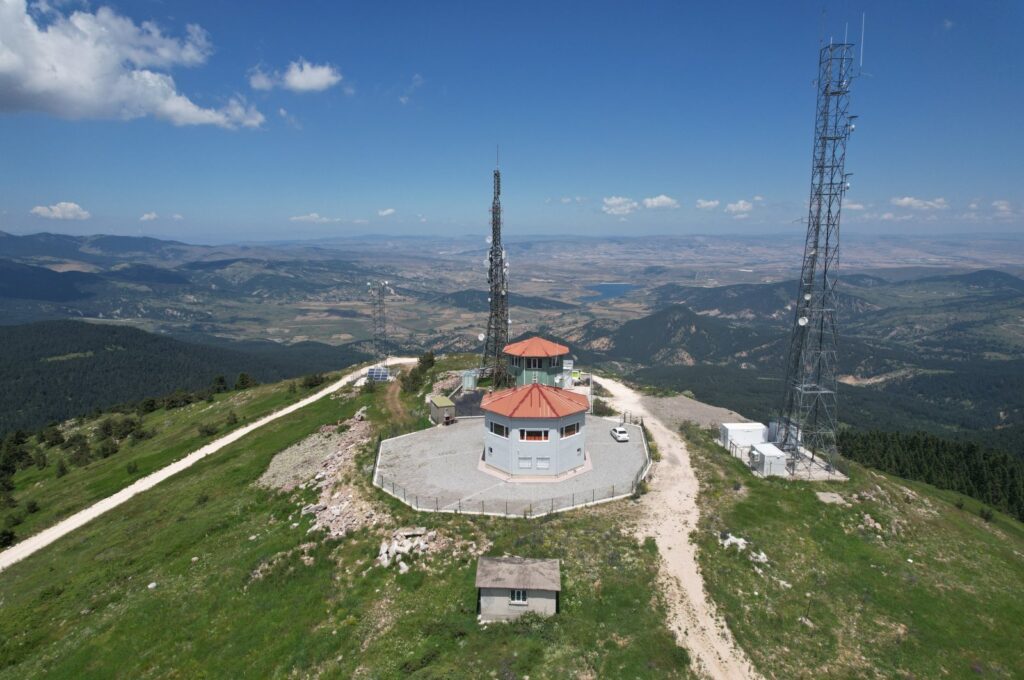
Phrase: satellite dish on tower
pixel 488 239
pixel 802 321
pixel 481 337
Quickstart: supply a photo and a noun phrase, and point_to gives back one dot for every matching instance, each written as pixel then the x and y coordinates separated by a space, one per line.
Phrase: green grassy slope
pixel 176 434
pixel 934 593
pixel 82 608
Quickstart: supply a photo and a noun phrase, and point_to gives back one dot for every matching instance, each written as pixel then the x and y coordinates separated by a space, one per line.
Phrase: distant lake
pixel 607 291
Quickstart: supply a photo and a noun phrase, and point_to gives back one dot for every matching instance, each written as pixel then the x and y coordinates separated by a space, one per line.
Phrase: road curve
pixel 47 536
pixel 670 515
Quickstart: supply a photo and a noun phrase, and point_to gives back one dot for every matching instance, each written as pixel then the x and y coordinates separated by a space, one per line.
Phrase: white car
pixel 620 434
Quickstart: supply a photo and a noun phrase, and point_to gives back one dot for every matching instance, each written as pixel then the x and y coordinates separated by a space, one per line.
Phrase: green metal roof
pixel 441 401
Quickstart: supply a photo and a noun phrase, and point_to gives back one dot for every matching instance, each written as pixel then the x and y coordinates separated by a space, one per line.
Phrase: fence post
pixel 593 495
pixel 417 497
pixel 506 507
pixel 460 506
pixel 435 504
pixel 552 505
pixel 574 499
pixel 481 507
pixel 613 491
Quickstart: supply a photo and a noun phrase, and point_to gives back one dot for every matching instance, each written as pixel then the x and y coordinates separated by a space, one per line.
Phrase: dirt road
pixel 670 514
pixel 44 538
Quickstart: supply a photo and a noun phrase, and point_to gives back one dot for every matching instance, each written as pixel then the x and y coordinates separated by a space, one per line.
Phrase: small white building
pixel 739 437
pixel 508 587
pixel 768 460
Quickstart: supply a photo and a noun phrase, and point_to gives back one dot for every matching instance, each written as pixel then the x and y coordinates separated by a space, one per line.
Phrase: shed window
pixel 533 435
pixel 555 362
pixel 533 362
pixel 525 463
pixel 543 463
pixel 517 596
pixel 570 430
pixel 499 429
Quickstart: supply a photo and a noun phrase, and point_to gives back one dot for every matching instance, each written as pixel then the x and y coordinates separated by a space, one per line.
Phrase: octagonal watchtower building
pixel 535 429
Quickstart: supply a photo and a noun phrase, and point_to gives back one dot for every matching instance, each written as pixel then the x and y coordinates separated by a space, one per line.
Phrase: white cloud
pixel 64 210
pixel 741 216
pixel 303 76
pixel 948 24
pixel 566 200
pixel 177 217
pixel 1002 207
pixel 973 205
pixel 758 199
pixel 891 217
pixel 661 201
pixel 360 221
pixel 314 218
pixel 707 204
pixel 618 205
pixel 148 217
pixel 258 80
pixel 289 118
pixel 300 76
pixel 740 206
pixel 415 84
pixel 103 65
pixel 919 203
pixel 850 205
pixel 386 212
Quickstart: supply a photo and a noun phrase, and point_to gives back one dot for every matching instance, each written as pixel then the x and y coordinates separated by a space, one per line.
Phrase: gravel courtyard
pixel 437 469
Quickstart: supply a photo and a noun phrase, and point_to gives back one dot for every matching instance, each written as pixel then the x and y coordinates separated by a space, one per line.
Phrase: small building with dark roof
pixel 508 587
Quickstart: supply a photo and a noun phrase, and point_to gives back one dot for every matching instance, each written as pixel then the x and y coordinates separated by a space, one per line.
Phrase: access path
pixel 670 514
pixel 47 536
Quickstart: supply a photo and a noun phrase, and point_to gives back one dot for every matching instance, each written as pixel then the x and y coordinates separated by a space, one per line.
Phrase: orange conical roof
pixel 535 401
pixel 536 347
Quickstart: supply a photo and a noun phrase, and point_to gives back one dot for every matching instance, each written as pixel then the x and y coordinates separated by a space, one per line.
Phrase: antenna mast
pixel 808 418
pixel 493 363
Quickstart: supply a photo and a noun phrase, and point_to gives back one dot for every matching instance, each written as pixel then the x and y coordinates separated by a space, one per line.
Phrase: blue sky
pixel 383 117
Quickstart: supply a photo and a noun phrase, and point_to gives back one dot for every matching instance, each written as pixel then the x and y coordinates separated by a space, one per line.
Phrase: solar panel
pixel 378 374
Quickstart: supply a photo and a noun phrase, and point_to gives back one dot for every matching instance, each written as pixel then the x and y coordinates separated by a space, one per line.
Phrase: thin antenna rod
pixel 863 16
pixel 497 155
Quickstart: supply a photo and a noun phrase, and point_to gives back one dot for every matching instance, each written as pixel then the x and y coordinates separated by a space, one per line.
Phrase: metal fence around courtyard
pixel 517 507
pixel 511 507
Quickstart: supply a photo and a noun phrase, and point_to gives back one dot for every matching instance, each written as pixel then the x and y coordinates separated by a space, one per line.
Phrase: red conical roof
pixel 535 401
pixel 536 347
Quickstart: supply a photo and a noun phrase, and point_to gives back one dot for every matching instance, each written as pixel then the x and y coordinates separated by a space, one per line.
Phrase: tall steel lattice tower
pixel 494 362
pixel 808 417
pixel 378 291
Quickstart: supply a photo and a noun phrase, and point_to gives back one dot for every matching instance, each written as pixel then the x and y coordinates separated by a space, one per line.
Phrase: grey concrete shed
pixel 442 409
pixel 508 587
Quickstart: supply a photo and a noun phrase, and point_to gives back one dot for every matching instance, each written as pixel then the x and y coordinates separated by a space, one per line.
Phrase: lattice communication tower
pixel 808 418
pixel 378 292
pixel 493 363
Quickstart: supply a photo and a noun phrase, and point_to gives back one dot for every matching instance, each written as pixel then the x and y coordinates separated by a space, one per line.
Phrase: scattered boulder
pixel 726 539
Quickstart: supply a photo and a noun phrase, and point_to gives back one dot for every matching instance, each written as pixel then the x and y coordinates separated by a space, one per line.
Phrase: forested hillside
pixel 54 370
pixel 992 477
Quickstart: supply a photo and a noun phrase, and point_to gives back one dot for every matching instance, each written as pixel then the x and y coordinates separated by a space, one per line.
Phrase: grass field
pixel 176 434
pixel 82 608
pixel 933 593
